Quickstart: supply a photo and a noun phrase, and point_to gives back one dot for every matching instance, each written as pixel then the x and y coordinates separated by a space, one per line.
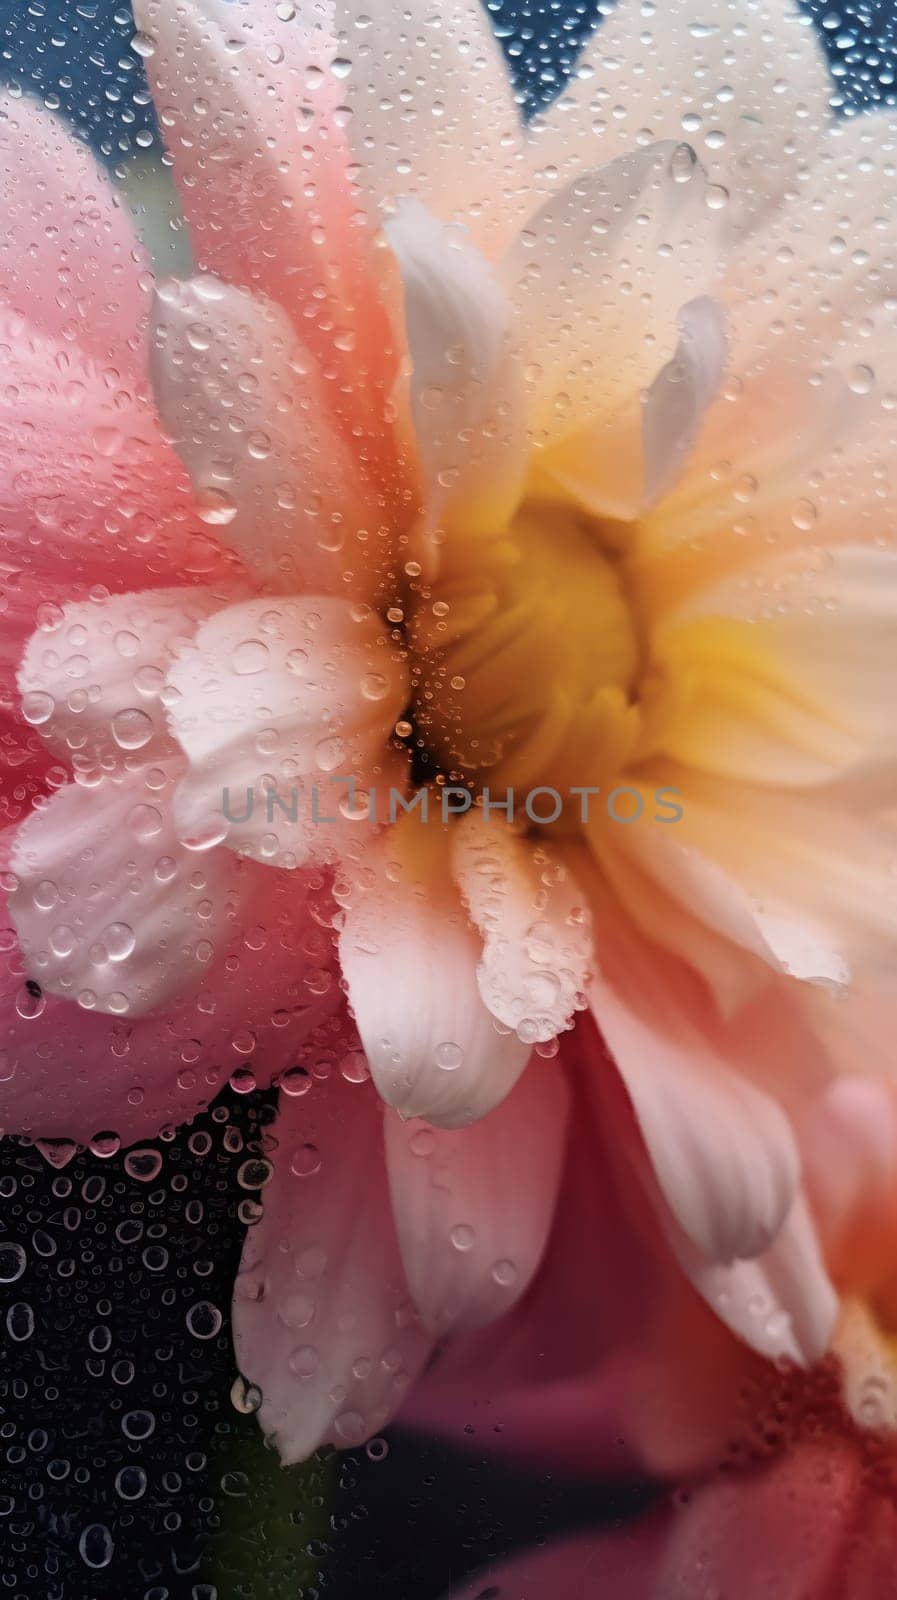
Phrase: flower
pixel 796 1494
pixel 676 1396
pixel 544 461
pixel 820 1521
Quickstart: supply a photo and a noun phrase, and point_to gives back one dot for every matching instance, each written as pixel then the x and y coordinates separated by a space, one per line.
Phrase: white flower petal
pixel 698 885
pixel 748 85
pixel 433 112
pixel 535 925
pixel 782 1303
pixel 599 278
pixel 471 1232
pixel 680 394
pixel 722 1151
pixel 800 441
pixel 109 908
pixel 466 398
pixel 409 957
pixel 816 877
pixel 281 705
pixel 91 678
pixel 866 1356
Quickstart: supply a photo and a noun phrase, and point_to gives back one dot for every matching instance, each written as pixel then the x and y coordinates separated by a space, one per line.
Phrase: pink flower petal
pixel 247 106
pixel 247 408
pixel 722 1150
pixel 474 1206
pixel 777 1535
pixel 90 493
pixel 409 957
pixel 322 1321
pixel 71 1074
pixel 599 1566
pixel 849 1149
pixel 70 262
pixel 434 115
pixel 91 498
pixel 610 1391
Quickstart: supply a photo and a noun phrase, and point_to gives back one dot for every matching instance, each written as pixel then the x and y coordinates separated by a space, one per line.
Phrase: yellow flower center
pixel 527 655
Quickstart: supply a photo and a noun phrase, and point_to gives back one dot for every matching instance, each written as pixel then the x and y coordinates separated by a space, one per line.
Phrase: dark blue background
pixel 78 51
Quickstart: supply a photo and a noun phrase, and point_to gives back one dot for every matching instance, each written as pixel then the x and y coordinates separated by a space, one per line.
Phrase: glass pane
pixel 449 619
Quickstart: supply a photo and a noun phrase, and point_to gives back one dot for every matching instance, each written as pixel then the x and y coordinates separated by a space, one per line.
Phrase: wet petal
pixel 782 1303
pixel 750 85
pixel 680 394
pixel 322 1319
pixel 433 111
pixel 261 213
pixel 599 278
pixel 466 397
pixel 70 261
pixel 71 1074
pixel 722 1150
pixel 471 1234
pixel 409 955
pixel 535 925
pixel 91 678
pixel 812 873
pixel 109 908
pixel 247 409
pixel 274 699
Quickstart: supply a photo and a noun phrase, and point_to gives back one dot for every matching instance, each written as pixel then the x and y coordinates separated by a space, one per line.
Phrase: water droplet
pixel 449 1056
pixel 95 1546
pixel 306 1161
pixel 683 164
pixel 304 1361
pixel 463 1236
pixel 204 1320
pixel 130 1483
pixel 144 1165
pixel 13 1261
pixel 861 380
pixel 374 686
pixel 249 657
pixel 215 507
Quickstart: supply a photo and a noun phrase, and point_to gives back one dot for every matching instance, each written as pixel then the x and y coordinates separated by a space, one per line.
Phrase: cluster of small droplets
pixel 125 1455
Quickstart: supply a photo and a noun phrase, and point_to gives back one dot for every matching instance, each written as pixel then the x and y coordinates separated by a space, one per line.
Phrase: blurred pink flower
pixel 788 1479
pixel 536 459
pixel 819 1522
